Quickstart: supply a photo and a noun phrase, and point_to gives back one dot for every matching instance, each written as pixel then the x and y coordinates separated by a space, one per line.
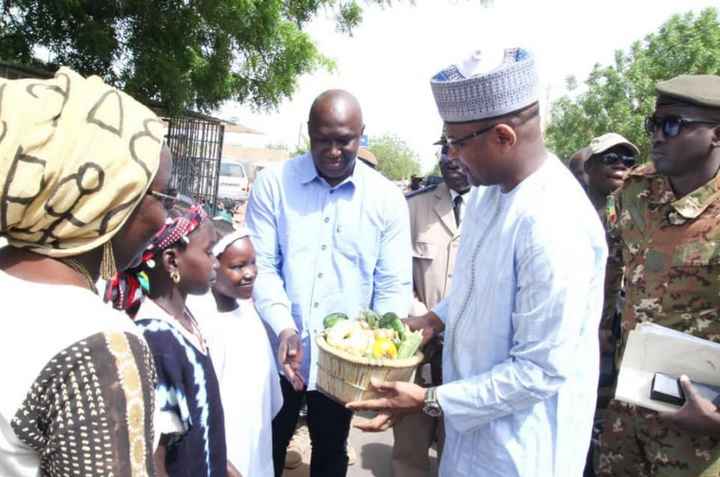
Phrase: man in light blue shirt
pixel 331 235
pixel 520 362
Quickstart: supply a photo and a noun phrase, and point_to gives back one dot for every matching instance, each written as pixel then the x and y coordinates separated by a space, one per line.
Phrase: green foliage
pixel 396 160
pixel 183 54
pixel 618 97
pixel 302 146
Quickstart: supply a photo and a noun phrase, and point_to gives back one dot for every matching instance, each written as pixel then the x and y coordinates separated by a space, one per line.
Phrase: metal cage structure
pixel 196 145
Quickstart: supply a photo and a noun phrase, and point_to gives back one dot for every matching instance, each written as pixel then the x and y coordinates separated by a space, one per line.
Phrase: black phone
pixel 667 389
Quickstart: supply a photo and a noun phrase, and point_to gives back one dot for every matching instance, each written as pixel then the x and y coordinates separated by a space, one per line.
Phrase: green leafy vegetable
pixel 333 318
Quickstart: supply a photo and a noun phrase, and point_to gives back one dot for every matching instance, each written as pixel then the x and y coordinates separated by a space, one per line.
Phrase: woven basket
pixel 346 378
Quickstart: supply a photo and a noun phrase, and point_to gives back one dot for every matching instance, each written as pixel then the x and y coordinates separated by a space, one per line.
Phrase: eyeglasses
pixel 171 198
pixel 612 158
pixel 670 125
pixel 460 143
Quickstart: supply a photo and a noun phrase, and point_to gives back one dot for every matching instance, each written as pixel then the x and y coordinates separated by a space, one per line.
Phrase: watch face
pixel 432 410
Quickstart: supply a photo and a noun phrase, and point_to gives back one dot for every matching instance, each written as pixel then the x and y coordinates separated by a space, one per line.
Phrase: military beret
pixel 702 90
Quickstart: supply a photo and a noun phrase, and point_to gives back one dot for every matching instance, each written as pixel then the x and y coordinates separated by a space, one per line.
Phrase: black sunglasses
pixel 670 125
pixel 171 198
pixel 611 158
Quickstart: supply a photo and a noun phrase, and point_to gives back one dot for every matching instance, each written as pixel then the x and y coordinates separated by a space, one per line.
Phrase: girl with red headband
pixel 190 421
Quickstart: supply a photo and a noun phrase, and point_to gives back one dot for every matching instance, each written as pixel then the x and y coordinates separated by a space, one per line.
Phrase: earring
pixel 144 281
pixel 175 277
pixel 108 267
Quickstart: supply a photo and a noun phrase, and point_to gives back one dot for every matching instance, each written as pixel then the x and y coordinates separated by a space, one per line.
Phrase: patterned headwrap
pixel 127 289
pixel 76 158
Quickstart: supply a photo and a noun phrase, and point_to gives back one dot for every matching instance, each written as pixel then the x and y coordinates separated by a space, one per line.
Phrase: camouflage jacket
pixel 613 271
pixel 670 250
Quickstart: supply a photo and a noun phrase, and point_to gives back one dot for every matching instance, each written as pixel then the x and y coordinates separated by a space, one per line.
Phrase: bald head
pixel 335 105
pixel 335 125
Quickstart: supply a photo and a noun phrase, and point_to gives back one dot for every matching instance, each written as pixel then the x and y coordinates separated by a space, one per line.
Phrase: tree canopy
pixel 618 97
pixel 181 54
pixel 396 160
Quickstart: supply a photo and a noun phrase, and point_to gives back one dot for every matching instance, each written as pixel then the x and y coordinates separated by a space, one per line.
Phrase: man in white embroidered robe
pixel 520 363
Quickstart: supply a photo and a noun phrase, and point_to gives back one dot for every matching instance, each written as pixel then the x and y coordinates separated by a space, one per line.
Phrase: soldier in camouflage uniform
pixel 669 233
pixel 611 157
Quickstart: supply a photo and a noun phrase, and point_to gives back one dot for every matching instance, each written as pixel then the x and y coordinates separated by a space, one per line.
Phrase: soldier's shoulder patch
pixel 422 191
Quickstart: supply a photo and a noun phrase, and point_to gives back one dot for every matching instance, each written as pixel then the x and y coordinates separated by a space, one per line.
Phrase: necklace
pixel 191 326
pixel 79 268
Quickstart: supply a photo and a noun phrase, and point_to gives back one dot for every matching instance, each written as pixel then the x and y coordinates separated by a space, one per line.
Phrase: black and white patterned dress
pixel 78 386
pixel 189 409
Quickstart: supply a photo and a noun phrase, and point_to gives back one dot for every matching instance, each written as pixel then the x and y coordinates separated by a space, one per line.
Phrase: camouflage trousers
pixel 636 442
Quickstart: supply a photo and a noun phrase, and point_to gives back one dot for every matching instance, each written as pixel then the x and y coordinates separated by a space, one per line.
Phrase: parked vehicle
pixel 234 181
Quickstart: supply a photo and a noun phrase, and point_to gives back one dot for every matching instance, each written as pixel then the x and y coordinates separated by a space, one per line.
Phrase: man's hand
pixel 429 323
pixel 382 422
pixel 290 355
pixel 397 398
pixel 697 416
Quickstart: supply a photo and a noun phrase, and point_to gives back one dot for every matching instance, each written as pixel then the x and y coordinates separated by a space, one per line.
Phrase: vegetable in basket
pixel 391 321
pixel 410 345
pixel 370 317
pixel 351 337
pixel 333 318
pixel 372 336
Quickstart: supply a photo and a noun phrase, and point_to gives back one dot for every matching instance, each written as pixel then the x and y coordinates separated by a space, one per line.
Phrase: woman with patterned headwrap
pixel 190 421
pixel 82 191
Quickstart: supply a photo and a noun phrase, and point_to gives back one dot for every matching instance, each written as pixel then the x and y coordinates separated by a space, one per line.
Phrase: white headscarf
pixel 230 239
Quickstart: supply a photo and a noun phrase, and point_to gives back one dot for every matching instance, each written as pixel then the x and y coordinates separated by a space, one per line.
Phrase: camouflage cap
pixel 602 143
pixel 702 90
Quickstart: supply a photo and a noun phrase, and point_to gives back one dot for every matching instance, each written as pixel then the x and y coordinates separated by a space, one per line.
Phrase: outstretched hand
pixel 397 398
pixel 697 415
pixel 382 422
pixel 290 355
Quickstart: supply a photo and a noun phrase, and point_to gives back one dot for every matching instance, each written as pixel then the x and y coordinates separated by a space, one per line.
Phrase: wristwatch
pixel 432 406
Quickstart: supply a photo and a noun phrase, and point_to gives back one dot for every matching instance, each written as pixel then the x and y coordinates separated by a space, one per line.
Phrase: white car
pixel 234 181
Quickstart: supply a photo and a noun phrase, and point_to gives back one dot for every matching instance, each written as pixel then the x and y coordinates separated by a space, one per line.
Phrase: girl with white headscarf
pixel 241 353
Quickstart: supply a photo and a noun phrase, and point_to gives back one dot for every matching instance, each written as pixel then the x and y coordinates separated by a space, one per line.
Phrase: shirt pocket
pixel 700 254
pixel 358 242
pixel 692 284
pixel 295 236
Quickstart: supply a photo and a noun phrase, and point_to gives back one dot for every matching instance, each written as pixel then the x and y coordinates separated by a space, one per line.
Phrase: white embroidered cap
pixel 482 87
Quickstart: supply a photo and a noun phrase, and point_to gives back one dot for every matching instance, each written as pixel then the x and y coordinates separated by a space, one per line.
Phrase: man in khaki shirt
pixel 435 216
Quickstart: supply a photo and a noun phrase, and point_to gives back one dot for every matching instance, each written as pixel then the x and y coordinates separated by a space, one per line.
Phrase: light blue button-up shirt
pixel 323 249
pixel 520 362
